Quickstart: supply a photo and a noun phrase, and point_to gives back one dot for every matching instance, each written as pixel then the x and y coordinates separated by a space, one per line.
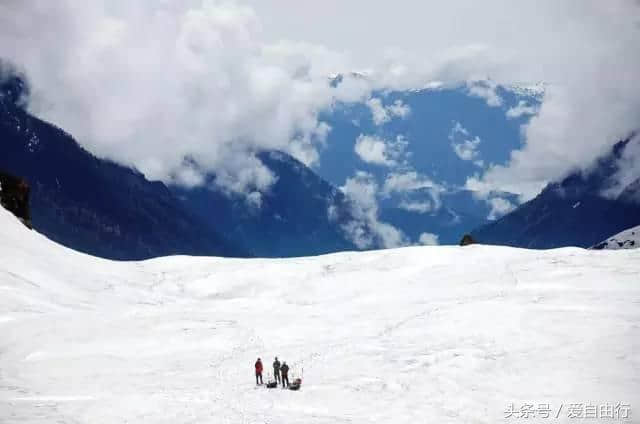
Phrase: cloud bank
pixel 151 83
pixel 160 85
pixel 586 51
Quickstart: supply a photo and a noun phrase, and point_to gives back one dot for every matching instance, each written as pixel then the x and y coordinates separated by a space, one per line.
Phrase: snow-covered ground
pixel 627 239
pixel 414 335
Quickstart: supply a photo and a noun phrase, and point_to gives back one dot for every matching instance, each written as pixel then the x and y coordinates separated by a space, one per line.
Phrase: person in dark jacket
pixel 258 371
pixel 284 371
pixel 276 370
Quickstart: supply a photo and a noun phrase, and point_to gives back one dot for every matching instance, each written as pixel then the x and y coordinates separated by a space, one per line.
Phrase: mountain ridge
pixel 571 212
pixel 94 205
pixel 293 218
pixel 99 207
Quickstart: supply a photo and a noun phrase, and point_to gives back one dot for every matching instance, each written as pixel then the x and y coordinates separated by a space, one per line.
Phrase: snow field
pixel 424 334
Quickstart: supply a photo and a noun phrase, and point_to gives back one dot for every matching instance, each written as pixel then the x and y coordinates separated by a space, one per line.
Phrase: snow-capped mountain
pixel 419 147
pixel 627 239
pixel 414 150
pixel 576 211
pixel 450 334
pixel 105 209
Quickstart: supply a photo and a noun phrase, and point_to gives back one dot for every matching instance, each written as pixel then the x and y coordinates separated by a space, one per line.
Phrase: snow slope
pixel 627 239
pixel 425 334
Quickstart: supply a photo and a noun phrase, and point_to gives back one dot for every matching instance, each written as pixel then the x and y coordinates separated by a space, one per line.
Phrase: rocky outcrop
pixel 467 240
pixel 627 239
pixel 14 196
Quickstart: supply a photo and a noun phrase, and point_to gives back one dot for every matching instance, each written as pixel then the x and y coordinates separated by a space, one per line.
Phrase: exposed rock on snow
pixel 627 239
pixel 467 240
pixel 14 196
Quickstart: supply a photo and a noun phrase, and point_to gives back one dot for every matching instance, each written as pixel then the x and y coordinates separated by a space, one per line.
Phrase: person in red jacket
pixel 258 371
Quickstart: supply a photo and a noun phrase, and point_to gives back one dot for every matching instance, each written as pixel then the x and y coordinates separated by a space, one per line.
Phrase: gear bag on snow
pixel 296 384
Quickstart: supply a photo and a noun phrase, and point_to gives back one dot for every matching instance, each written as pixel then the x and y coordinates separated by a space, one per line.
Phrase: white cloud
pixel 149 83
pixel 303 147
pixel 188 177
pixel 146 83
pixel 304 151
pixel 590 65
pixel 378 111
pixel 373 149
pixel 249 175
pixel 254 199
pixel 419 207
pixel 428 239
pixel 479 187
pixel 499 207
pixel 465 148
pixel 457 129
pixel 483 191
pixel 626 172
pixel 382 114
pixel 399 109
pixel 366 230
pixel 589 103
pixel 485 89
pixel 406 181
pixel 401 182
pixel 522 108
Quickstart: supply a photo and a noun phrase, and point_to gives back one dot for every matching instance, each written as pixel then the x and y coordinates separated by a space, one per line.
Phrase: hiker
pixel 284 371
pixel 258 371
pixel 276 370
